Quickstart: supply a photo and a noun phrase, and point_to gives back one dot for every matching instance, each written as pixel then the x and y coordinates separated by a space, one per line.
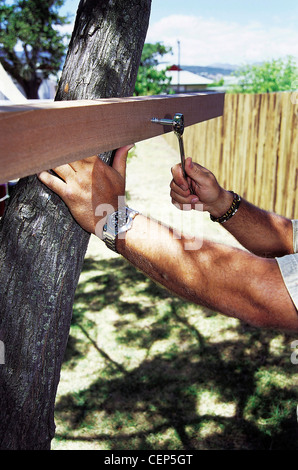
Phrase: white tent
pixel 13 94
pixel 9 89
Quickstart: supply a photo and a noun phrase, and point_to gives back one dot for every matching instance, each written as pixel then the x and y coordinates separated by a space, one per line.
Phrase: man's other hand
pixel 90 188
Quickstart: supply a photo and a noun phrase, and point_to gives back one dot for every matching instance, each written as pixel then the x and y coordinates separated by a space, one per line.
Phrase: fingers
pixel 182 199
pixel 74 175
pixel 65 171
pixel 179 186
pixel 178 177
pixel 180 193
pixel 178 190
pixel 119 162
pixel 52 182
pixel 80 164
pixel 196 171
pixel 68 171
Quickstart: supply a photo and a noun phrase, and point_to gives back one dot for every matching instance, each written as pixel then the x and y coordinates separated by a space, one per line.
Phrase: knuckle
pixel 172 184
pixel 175 168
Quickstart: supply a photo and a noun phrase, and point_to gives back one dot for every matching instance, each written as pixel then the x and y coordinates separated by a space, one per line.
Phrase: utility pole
pixel 178 88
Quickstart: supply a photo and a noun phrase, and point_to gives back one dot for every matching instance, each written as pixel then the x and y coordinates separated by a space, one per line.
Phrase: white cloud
pixel 206 41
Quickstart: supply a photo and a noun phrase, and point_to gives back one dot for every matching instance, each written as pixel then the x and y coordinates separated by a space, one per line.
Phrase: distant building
pixel 183 81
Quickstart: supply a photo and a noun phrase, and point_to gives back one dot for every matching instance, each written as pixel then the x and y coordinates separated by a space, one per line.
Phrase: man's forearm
pixel 263 233
pixel 231 281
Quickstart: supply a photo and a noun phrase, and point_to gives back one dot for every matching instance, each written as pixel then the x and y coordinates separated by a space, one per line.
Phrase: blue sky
pixel 222 31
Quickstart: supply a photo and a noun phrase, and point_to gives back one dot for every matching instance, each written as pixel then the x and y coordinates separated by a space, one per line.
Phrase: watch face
pixel 118 220
pixel 117 223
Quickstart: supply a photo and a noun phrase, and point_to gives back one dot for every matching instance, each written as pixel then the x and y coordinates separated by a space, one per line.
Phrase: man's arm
pixel 228 280
pixel 234 282
pixel 261 232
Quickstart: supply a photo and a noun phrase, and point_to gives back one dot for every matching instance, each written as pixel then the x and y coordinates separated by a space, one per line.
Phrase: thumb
pixel 193 170
pixel 119 162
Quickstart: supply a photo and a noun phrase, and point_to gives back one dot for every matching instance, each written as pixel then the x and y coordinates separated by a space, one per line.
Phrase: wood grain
pixel 44 135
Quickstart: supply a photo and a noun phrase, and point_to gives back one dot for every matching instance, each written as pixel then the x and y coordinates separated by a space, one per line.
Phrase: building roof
pixel 185 78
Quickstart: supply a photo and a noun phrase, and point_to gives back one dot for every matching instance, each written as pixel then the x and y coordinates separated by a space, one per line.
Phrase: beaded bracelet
pixel 230 212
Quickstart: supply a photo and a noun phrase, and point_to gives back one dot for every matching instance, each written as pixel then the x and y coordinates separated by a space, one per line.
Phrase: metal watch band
pixel 118 222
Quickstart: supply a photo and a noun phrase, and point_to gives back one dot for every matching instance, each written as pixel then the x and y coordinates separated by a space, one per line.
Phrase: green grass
pixel 145 370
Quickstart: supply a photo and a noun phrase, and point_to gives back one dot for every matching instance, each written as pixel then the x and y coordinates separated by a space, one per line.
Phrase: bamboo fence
pixel 252 149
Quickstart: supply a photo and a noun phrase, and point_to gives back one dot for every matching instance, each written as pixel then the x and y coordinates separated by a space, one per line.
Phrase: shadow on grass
pixel 201 390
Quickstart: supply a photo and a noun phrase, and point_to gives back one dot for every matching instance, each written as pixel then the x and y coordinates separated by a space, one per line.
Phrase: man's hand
pixel 205 187
pixel 90 188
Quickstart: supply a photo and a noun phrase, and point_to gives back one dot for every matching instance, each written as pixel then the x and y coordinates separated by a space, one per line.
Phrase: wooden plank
pixel 44 135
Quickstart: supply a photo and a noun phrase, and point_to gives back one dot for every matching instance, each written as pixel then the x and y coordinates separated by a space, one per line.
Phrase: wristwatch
pixel 118 222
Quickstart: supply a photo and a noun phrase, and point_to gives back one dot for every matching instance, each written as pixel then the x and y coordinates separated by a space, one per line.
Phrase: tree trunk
pixel 31 87
pixel 42 247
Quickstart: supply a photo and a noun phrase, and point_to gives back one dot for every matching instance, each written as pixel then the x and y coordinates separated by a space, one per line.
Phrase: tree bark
pixel 42 247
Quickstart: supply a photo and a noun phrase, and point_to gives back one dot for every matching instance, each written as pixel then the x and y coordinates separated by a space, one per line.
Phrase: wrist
pixel 103 210
pixel 116 226
pixel 222 204
pixel 230 212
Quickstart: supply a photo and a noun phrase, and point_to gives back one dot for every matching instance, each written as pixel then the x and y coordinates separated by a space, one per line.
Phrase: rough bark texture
pixel 42 247
pixel 109 38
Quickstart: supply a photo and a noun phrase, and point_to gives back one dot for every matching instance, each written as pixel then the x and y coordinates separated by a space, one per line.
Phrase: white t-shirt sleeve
pixel 288 266
pixel 295 235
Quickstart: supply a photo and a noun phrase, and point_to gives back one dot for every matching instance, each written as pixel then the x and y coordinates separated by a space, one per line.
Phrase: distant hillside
pixel 212 72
